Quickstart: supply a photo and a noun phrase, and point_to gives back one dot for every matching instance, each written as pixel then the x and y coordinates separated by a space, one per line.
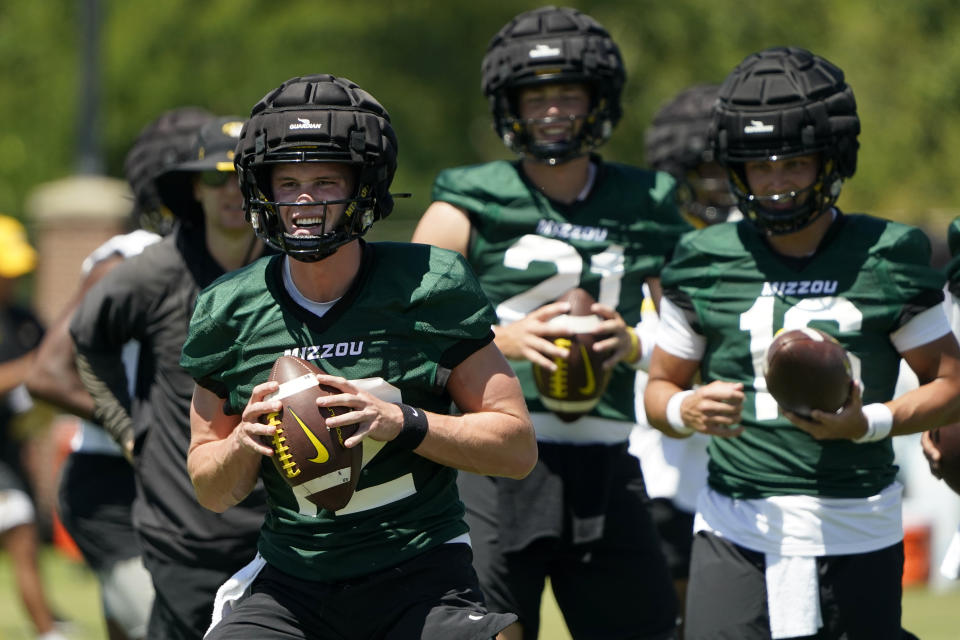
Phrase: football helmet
pixel 553 45
pixel 779 103
pixel 317 118
pixel 678 142
pixel 161 145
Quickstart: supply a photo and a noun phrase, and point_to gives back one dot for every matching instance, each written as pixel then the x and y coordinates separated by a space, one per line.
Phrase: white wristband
pixel 879 422
pixel 674 417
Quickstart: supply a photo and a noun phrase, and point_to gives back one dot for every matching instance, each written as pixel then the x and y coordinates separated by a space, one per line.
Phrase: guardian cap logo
pixel 304 123
pixel 758 126
pixel 544 51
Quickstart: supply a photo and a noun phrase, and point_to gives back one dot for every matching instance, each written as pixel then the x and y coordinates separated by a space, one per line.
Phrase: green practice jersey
pixel 868 278
pixel 528 250
pixel 413 313
pixel 953 267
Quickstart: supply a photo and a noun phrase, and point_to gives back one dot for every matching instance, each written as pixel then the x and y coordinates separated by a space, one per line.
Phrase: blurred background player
pixel 799 531
pixel 678 142
pixel 950 562
pixel 20 333
pixel 557 218
pixel 675 469
pixel 97 481
pixel 148 298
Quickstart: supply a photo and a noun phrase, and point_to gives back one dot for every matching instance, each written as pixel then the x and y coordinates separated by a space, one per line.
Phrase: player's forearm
pixel 931 405
pixel 53 376
pixel 104 378
pixel 223 472
pixel 14 372
pixel 655 399
pixel 490 443
pixel 60 386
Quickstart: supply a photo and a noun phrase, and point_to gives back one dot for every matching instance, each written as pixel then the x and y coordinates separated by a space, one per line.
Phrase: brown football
pixel 580 380
pixel 807 369
pixel 308 455
pixel 947 441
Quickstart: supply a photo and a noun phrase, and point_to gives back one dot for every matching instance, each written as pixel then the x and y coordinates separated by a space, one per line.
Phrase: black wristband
pixel 414 427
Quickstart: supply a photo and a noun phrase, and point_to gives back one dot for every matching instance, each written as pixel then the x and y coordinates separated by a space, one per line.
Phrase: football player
pixel 401 331
pixel 950 564
pixel 799 532
pixel 148 298
pixel 557 218
pixel 675 469
pixel 97 483
pixel 678 142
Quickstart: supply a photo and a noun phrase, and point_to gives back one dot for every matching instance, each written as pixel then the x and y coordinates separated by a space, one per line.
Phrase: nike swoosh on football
pixel 591 384
pixel 322 454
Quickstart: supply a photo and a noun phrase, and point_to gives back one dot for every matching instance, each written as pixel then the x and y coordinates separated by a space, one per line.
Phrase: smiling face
pixel 306 182
pixel 556 110
pixel 782 184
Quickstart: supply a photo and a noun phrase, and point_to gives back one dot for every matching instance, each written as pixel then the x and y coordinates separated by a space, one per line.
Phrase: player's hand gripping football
pixel 531 338
pixel 253 433
pixel 375 418
pixel 715 409
pixel 615 336
pixel 847 424
pixel 931 453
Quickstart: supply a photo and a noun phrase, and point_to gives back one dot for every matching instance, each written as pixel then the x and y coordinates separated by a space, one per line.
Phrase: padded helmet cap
pixel 678 139
pixel 786 101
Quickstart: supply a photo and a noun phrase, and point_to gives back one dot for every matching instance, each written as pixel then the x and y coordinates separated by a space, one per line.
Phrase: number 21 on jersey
pixel 609 264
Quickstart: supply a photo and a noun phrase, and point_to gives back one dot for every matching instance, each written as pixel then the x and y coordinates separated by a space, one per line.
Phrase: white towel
pixel 950 566
pixel 793 596
pixel 231 590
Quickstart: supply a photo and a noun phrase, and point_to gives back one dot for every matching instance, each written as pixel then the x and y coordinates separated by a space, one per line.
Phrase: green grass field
pixel 74 592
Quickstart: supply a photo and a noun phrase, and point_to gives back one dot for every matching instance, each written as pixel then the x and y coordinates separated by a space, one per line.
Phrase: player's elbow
pixel 214 493
pixel 216 501
pixel 206 495
pixel 217 506
pixel 524 453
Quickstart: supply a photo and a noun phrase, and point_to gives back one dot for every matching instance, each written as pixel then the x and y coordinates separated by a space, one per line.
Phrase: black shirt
pixel 150 298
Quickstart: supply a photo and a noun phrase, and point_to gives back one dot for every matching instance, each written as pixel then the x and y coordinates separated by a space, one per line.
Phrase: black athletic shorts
pixel 727 596
pixel 183 604
pixel 433 596
pixel 94 500
pixel 617 587
pixel 675 527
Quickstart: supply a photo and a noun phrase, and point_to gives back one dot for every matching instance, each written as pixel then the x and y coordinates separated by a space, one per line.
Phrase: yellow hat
pixel 17 257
